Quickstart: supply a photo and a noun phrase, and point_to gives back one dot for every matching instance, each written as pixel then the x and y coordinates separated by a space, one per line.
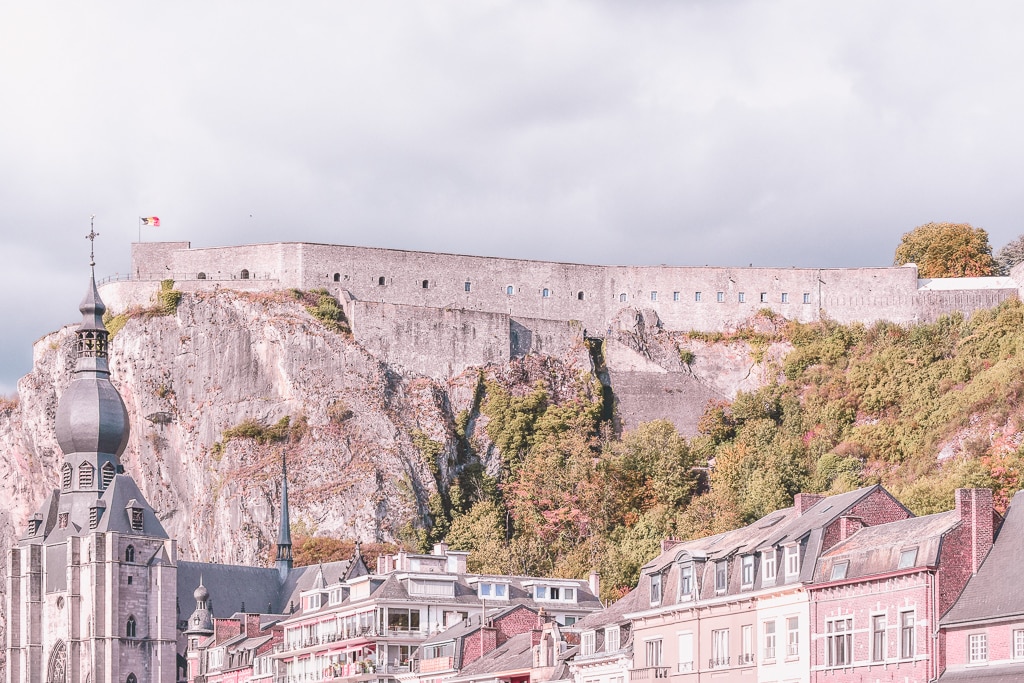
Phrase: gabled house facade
pixel 983 633
pixel 606 643
pixel 367 628
pixel 878 594
pixel 735 606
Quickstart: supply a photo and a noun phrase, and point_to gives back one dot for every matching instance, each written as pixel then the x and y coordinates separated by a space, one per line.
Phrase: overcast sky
pixel 718 132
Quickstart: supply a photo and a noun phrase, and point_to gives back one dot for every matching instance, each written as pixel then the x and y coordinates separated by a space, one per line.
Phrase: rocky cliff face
pixel 231 359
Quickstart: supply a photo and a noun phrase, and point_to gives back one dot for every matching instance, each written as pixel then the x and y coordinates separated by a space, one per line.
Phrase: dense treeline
pixel 922 410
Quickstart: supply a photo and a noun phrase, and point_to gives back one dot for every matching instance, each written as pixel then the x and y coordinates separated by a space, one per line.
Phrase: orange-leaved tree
pixel 947 250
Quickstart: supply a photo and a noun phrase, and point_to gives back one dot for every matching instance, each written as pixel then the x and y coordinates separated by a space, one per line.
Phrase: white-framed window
pixel 785 297
pixel 768 566
pixel 721 297
pixel 654 296
pixel 696 297
pixel 908 558
pixel 768 638
pixel 977 648
pixel 839 570
pixel 792 560
pixel 587 641
pixel 685 652
pixel 793 637
pixel 747 644
pixel 686 582
pixel 546 293
pixel 721 576
pixel 1018 643
pixel 807 297
pixel 878 640
pixel 491 591
pixel 742 297
pixel 652 651
pixel 908 641
pixel 655 589
pixel 719 648
pixel 611 639
pixel 839 642
pixel 510 290
pixel 747 570
pixel 764 297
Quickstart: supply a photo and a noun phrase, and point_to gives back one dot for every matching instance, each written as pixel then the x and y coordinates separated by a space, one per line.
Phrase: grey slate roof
pixel 876 549
pixel 1011 673
pixel 230 586
pixel 515 655
pixel 994 592
pixel 472 624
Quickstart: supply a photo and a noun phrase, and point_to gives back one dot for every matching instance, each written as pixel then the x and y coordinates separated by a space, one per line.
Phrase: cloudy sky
pixel 684 132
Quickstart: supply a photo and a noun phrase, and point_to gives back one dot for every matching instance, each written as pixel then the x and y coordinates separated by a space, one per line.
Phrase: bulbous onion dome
pixel 91 417
pixel 201 594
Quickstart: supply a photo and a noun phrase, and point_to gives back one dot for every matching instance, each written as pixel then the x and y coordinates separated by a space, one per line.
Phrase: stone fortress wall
pixel 684 297
pixel 438 314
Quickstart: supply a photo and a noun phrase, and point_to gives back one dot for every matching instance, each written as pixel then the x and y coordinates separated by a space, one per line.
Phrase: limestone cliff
pixel 227 358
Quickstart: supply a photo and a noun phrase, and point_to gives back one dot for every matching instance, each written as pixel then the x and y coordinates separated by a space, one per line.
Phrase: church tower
pixel 92 582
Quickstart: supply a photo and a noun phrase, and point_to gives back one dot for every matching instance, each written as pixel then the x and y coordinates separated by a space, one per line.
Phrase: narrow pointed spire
pixel 284 534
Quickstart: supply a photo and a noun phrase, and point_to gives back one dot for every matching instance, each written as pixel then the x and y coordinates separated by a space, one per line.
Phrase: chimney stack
pixel 974 506
pixel 595 584
pixel 805 501
pixel 441 549
pixel 849 525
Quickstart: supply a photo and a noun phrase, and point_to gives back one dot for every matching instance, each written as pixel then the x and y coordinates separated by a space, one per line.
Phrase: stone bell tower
pixel 92 581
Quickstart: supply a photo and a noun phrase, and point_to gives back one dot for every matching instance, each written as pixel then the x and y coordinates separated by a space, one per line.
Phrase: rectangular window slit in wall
pixel 696 297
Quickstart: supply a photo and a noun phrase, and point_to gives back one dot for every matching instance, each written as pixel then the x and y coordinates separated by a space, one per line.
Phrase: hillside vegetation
pixel 922 410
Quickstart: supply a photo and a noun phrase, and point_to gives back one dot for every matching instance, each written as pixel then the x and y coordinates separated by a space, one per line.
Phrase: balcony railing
pixel 370 632
pixel 648 673
pixel 769 653
pixel 685 667
pixel 746 658
pixel 718 662
pixel 434 664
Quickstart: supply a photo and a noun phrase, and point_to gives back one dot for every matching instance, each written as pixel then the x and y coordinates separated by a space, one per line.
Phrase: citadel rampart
pixel 685 298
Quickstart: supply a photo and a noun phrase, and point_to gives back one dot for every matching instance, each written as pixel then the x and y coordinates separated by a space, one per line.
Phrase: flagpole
pixel 140 229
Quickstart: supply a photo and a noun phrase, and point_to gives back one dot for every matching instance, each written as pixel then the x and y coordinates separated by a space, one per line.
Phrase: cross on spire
pixel 92 241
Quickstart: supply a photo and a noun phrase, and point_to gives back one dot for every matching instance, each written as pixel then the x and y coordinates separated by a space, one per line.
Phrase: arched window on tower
pixel 245 274
pixel 580 296
pixel 85 476
pixel 201 276
pixel 129 628
pixel 65 477
pixel 131 679
pixel 108 473
pixel 337 277
pixel 129 554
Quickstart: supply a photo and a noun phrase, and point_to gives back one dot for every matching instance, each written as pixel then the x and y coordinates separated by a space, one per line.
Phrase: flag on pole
pixel 151 220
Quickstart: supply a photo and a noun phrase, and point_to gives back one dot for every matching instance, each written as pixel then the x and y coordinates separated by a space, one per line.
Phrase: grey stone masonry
pixel 683 297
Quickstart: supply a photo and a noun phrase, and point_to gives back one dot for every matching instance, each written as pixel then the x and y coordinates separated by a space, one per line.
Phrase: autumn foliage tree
pixel 947 250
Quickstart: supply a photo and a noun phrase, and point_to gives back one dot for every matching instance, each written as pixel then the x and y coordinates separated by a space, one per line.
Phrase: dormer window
pixel 65 477
pixel 587 643
pixel 555 593
pixel 721 576
pixel 686 582
pixel 908 558
pixel 769 567
pixel 135 516
pixel 492 591
pixel 792 560
pixel 311 602
pixel 34 524
pixel 655 589
pixel 611 639
pixel 747 570
pixel 839 570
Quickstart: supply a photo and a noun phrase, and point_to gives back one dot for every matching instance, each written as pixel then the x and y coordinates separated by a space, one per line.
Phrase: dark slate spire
pixel 91 422
pixel 284 534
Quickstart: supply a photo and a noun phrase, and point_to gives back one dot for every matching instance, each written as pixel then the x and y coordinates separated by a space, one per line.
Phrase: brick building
pixel 878 593
pixel 983 633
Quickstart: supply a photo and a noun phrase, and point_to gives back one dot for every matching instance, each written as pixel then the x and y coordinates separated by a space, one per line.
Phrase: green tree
pixel 947 250
pixel 1009 256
